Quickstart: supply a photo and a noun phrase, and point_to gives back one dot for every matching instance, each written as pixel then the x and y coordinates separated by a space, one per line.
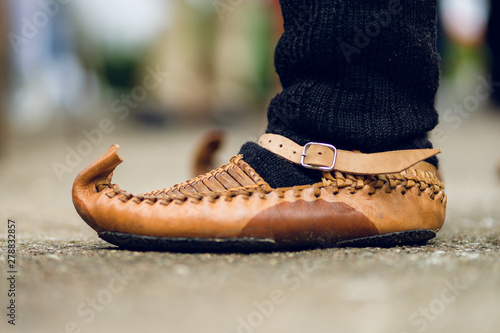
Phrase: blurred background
pixel 67 61
pixel 153 76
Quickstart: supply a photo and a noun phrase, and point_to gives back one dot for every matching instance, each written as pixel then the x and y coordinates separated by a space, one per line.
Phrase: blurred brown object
pixel 3 72
pixel 219 62
pixel 278 18
pixel 185 51
pixel 204 156
pixel 464 22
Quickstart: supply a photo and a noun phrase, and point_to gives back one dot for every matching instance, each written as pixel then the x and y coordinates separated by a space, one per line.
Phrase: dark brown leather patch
pixel 309 223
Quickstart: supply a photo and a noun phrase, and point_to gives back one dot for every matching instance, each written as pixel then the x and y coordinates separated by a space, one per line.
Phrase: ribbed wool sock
pixel 361 75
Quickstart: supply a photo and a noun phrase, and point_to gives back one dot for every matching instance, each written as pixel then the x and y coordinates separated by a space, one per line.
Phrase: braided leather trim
pixel 330 184
pixel 235 174
pixel 407 179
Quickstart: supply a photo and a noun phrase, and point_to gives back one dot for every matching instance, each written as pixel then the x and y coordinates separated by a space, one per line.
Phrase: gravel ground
pixel 68 280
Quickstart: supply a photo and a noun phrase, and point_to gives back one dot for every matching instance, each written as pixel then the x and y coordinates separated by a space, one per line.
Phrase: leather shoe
pixel 381 199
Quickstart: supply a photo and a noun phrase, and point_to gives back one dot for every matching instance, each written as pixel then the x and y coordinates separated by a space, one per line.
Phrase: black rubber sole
pixel 247 245
pixel 195 245
pixel 411 237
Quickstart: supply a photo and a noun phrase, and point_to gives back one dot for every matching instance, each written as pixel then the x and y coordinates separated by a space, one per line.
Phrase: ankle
pixel 277 171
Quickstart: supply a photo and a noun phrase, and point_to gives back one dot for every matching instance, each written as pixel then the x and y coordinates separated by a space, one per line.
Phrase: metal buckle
pixel 322 168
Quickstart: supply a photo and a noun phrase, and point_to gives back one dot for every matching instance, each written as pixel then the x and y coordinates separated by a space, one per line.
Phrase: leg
pixel 357 76
pixel 361 75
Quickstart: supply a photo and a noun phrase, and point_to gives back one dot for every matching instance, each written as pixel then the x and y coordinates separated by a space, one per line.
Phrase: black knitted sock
pixel 361 75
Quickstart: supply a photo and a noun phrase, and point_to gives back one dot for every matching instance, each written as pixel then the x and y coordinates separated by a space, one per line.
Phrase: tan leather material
pixel 301 222
pixel 346 161
pixel 233 201
pixel 233 175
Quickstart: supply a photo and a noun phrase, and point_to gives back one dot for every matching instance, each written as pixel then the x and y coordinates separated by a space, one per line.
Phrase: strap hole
pixel 281 146
pixel 319 153
pixel 269 141
pixel 295 152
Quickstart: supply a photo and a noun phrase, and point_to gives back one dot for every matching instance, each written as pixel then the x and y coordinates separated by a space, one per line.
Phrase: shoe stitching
pixel 211 178
pixel 332 184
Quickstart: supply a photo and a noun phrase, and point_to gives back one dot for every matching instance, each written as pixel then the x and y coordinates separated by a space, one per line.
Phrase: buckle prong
pixel 314 167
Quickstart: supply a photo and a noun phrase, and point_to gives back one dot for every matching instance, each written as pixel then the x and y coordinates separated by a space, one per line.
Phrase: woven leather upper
pixel 233 201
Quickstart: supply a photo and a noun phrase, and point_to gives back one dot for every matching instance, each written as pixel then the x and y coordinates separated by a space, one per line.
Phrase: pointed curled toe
pixel 233 209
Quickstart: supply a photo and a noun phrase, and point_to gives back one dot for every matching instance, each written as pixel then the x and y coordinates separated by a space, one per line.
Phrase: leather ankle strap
pixel 326 157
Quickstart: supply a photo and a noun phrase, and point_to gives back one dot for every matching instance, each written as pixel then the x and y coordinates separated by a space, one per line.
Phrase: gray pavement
pixel 68 280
